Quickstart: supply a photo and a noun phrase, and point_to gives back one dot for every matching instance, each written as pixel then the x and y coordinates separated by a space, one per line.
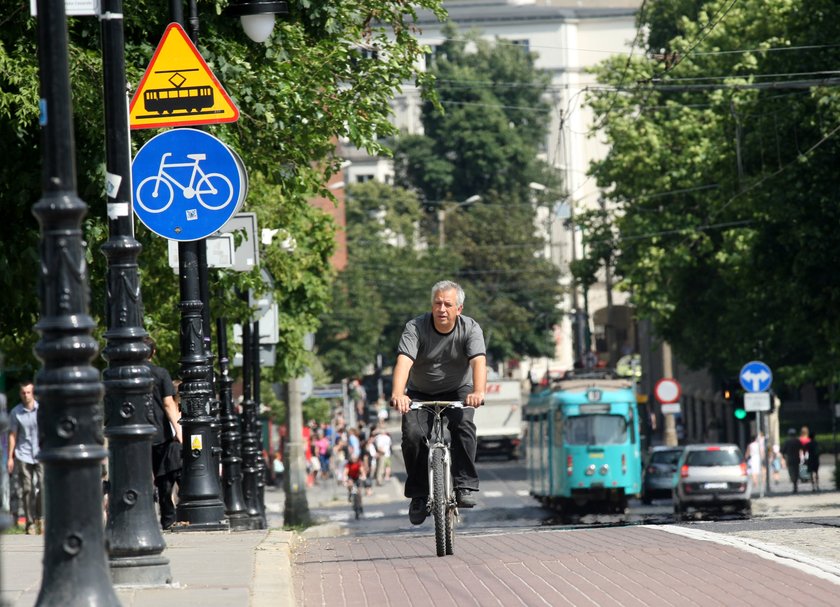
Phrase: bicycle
pixel 442 501
pixel 211 187
pixel 355 496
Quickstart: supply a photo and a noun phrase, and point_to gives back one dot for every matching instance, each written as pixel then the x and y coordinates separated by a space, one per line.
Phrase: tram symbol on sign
pixel 179 99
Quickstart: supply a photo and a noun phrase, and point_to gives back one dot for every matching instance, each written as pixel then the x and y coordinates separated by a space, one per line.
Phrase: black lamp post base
pixel 241 522
pixel 140 571
pixel 201 517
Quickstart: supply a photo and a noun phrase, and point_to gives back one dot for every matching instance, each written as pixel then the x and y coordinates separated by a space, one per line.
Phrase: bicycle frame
pixel 162 174
pixel 437 440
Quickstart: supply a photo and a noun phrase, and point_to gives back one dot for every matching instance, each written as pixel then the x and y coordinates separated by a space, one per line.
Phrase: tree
pixel 297 93
pixel 724 195
pixel 486 143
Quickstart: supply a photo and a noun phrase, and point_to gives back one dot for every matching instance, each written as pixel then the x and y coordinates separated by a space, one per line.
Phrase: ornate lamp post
pixel 235 507
pixel 134 535
pixel 68 388
pixel 250 444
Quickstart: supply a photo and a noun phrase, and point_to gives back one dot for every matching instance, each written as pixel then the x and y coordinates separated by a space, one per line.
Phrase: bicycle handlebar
pixel 419 404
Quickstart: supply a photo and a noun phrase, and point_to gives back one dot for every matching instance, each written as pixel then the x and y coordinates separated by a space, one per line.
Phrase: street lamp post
pixel 262 468
pixel 134 536
pixel 68 388
pixel 443 211
pixel 231 440
pixel 250 444
pixel 200 505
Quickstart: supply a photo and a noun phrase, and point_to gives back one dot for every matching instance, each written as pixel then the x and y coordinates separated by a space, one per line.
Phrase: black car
pixel 658 475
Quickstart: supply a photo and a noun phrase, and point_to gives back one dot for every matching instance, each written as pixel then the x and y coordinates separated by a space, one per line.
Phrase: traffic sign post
pixel 187 184
pixel 668 392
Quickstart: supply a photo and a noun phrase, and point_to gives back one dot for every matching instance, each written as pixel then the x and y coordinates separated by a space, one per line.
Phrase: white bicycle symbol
pixel 213 190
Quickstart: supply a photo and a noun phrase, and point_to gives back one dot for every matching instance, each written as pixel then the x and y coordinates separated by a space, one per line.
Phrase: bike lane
pixel 609 566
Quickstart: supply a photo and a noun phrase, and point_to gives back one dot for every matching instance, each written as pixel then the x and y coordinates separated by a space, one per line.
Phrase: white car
pixel 711 477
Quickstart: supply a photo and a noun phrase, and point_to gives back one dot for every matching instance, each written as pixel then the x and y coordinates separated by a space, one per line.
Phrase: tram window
pixel 596 430
pixel 558 427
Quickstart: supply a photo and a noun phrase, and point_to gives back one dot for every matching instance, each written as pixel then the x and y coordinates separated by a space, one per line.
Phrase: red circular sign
pixel 667 390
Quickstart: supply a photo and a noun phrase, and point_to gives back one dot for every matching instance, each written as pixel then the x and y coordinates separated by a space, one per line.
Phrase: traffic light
pixel 732 394
pixel 740 413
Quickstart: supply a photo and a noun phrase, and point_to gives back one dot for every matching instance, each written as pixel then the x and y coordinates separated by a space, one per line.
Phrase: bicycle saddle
pixel 197 156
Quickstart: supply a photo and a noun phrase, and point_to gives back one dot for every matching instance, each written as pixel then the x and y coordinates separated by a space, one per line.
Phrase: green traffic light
pixel 740 414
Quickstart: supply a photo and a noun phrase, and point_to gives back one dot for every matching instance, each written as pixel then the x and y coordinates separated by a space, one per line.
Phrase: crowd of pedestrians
pixel 799 455
pixel 337 452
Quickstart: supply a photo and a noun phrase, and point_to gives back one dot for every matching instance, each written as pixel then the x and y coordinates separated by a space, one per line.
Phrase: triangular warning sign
pixel 178 89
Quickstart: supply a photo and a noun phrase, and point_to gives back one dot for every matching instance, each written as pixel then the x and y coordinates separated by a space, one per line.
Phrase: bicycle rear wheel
pixel 439 503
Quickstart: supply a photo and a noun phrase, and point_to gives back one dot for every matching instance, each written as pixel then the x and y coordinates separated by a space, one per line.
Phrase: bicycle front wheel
pixel 154 194
pixel 357 503
pixel 214 191
pixel 439 502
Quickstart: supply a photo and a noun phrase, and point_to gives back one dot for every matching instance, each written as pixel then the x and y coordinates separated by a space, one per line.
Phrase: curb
pixel 272 583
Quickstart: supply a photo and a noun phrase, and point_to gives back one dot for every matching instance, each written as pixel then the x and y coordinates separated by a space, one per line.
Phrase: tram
pixel 583 445
pixel 178 99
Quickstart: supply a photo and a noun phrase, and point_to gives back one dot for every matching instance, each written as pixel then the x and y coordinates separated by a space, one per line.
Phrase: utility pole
pixel 670 431
pixel 296 509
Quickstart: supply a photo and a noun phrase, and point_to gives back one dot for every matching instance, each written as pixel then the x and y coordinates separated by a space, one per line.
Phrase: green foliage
pixel 297 93
pixel 486 143
pixel 724 199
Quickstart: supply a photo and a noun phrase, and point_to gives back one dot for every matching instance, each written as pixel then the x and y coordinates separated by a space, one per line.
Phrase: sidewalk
pixel 210 569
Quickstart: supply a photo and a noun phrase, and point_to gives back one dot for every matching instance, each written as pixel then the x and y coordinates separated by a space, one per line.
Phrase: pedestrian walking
pixel 791 451
pixel 382 442
pixel 22 461
pixel 755 456
pixel 812 450
pixel 164 415
pixel 278 468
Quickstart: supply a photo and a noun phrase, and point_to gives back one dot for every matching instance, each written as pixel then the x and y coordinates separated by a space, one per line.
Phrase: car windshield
pixel 665 457
pixel 596 430
pixel 715 457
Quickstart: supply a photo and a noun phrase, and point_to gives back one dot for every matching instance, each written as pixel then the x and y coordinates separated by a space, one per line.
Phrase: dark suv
pixel 658 475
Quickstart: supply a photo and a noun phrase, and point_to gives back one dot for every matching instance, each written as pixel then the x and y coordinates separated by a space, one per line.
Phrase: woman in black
pixel 813 450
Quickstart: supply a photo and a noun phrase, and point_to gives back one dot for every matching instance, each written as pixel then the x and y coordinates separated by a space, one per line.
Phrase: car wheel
pixel 746 511
pixel 679 513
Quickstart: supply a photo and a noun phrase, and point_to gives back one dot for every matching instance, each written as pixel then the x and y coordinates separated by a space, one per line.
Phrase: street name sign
pixel 756 401
pixel 755 376
pixel 187 184
pixel 178 88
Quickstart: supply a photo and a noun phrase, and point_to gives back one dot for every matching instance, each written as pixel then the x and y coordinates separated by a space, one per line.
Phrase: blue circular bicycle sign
pixel 187 184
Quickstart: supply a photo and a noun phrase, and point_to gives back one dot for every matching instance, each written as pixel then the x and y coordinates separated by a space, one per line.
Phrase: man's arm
pixel 173 415
pixel 478 364
pixel 399 399
pixel 10 461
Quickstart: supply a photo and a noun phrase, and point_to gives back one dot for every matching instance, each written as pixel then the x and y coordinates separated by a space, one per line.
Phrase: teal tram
pixel 583 445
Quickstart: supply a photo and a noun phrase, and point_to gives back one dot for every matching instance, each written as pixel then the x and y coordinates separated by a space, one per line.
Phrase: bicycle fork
pixel 447 474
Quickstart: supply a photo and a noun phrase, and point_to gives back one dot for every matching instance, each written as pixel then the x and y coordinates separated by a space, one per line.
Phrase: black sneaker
pixel 465 498
pixel 417 510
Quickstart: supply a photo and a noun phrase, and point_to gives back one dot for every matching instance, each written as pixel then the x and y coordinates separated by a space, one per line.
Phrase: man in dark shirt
pixel 166 443
pixel 441 356
pixel 791 452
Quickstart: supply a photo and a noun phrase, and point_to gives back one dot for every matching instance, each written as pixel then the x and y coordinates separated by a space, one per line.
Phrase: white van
pixel 499 421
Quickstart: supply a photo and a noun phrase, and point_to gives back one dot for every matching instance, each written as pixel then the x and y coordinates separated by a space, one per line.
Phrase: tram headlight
pixel 605 470
pixel 590 470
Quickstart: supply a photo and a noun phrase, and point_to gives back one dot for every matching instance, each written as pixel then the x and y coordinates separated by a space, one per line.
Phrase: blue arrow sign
pixel 187 184
pixel 755 376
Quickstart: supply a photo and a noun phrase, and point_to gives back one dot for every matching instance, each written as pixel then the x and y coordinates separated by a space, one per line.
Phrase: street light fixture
pixel 257 16
pixel 441 216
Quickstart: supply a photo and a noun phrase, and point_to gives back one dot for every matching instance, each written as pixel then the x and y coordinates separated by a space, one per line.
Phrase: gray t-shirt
pixel 441 360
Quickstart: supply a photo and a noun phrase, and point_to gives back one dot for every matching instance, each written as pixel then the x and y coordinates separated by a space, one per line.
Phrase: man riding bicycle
pixel 441 356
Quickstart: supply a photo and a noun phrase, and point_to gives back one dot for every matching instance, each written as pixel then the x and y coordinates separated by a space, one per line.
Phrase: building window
pixel 524 43
pixel 363 178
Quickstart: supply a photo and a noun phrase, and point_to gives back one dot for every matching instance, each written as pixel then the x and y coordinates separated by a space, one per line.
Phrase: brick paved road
pixel 612 566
